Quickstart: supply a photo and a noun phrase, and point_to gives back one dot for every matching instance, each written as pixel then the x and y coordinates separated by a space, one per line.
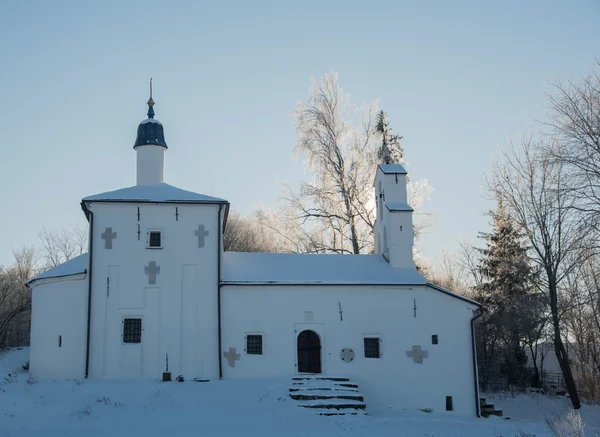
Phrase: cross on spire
pixel 150 103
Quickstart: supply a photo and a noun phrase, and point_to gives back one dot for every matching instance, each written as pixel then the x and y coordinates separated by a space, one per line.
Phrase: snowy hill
pixel 232 408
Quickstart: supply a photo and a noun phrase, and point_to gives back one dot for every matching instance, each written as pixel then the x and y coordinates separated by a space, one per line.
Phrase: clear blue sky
pixel 457 79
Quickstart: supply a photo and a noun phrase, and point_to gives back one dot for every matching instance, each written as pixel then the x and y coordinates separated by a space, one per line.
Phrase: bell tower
pixel 393 232
pixel 150 146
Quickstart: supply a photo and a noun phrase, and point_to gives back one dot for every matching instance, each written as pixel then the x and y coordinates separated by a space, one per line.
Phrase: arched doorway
pixel 309 352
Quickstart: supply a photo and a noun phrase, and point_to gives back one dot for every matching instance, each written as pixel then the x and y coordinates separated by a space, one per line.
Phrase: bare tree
pixel 60 246
pixel 582 319
pixel 336 211
pixel 448 273
pixel 15 299
pixel 575 119
pixel 469 259
pixel 531 185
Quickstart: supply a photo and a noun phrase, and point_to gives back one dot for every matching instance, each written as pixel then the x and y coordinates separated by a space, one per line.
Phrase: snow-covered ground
pixel 232 408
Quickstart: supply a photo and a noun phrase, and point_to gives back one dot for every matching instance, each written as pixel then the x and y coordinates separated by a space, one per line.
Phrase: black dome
pixel 150 132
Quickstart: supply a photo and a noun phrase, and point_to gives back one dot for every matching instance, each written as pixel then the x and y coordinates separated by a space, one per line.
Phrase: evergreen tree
pixel 390 151
pixel 506 293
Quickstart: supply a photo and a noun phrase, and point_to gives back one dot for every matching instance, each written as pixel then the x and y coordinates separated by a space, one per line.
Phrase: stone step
pixel 325 412
pixel 488 407
pixel 324 384
pixel 314 396
pixel 327 395
pixel 333 404
pixel 318 388
pixel 320 378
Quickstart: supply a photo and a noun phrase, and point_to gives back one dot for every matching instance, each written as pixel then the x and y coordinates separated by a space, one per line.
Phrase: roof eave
pixel 211 202
pixel 336 283
pixel 29 284
pixel 451 294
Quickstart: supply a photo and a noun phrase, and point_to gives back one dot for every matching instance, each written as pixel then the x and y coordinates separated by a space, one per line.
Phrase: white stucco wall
pixel 179 312
pixel 279 313
pixel 150 164
pixel 58 309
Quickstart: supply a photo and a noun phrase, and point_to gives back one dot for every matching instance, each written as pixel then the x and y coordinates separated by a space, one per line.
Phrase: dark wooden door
pixel 309 352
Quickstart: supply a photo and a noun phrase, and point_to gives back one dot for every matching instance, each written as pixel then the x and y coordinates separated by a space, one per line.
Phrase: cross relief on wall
pixel 417 354
pixel 108 236
pixel 152 270
pixel 232 356
pixel 201 233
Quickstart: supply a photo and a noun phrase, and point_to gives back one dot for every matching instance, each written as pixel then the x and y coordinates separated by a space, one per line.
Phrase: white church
pixel 156 283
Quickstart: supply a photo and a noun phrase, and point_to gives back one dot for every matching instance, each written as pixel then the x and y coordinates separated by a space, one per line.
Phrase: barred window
pixel 154 239
pixel 254 344
pixel 372 349
pixel 132 330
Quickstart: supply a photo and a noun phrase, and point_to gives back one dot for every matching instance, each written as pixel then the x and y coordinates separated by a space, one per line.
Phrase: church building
pixel 157 285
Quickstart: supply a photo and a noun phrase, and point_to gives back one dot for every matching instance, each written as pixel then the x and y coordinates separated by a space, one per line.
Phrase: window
pixel 254 344
pixel 155 239
pixel 434 339
pixel 132 330
pixel 449 406
pixel 379 217
pixel 372 349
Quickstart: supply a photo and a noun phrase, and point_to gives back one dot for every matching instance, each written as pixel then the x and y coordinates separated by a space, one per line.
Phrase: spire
pixel 150 130
pixel 150 103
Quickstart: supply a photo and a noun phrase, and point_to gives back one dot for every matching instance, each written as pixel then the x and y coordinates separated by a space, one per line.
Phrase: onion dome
pixel 150 131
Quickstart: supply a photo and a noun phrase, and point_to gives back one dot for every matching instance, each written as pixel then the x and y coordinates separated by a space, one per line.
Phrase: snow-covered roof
pixel 74 266
pixel 153 193
pixel 398 206
pixel 393 168
pixel 288 268
pixel 245 268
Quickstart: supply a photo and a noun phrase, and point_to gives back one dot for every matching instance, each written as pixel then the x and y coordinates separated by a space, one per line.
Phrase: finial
pixel 150 103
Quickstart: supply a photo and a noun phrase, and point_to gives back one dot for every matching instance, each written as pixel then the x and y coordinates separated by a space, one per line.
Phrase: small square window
pixel 434 339
pixel 154 239
pixel 372 349
pixel 132 330
pixel 254 344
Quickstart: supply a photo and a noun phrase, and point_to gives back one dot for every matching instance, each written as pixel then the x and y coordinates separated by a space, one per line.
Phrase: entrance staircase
pixel 488 410
pixel 327 395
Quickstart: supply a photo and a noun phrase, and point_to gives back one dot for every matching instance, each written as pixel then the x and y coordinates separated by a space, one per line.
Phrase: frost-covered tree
pixel 335 212
pixel 248 234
